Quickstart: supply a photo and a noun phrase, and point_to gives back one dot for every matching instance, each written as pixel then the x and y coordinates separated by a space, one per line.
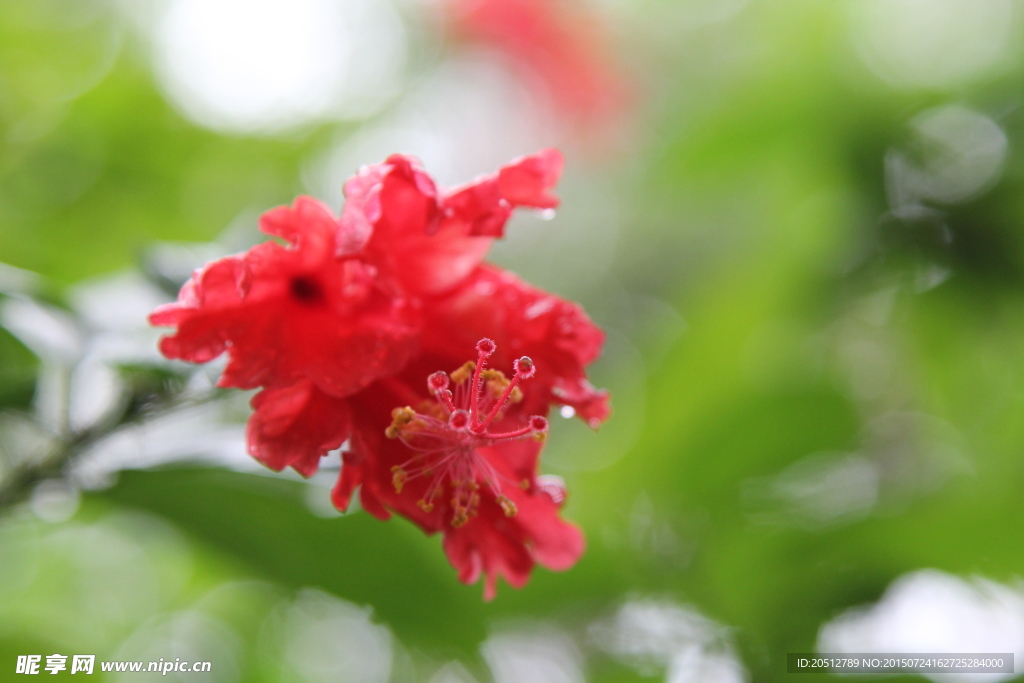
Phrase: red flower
pixel 341 326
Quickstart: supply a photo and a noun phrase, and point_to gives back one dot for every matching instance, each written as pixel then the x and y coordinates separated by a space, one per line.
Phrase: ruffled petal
pixel 479 548
pixel 357 470
pixel 307 225
pixel 483 207
pixel 295 426
pixel 362 208
pixel 429 240
pixel 554 543
pixel 527 181
pixel 410 242
pixel 291 314
pixel 495 546
pixel 201 338
pixel 590 404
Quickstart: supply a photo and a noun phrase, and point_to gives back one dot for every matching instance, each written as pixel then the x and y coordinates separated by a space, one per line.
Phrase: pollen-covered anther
pixel 400 417
pixel 464 372
pixel 398 478
pixel 425 505
pixel 507 506
pixel 524 367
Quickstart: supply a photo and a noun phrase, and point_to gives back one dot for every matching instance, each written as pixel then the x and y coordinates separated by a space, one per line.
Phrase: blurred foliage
pixel 774 308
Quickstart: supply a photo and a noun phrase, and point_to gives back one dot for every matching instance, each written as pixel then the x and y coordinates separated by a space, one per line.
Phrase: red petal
pixel 360 466
pixel 482 207
pixel 362 208
pixel 215 286
pixel 304 314
pixel 526 181
pixel 351 477
pixel 409 241
pixel 478 209
pixel 295 426
pixel 308 225
pixel 591 405
pixel 554 543
pixel 495 545
pixel 429 241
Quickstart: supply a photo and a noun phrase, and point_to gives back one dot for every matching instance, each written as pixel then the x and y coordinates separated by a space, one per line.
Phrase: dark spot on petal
pixel 306 290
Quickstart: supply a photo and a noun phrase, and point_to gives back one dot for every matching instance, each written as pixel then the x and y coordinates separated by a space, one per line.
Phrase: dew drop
pixel 567 412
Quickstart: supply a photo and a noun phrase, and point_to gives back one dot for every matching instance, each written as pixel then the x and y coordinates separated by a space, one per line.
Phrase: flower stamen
pixel 448 434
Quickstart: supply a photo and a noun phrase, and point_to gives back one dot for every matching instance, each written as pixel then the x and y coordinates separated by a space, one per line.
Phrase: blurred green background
pixel 803 232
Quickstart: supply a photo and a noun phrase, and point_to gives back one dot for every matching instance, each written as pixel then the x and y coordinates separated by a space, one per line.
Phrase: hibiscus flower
pixel 342 326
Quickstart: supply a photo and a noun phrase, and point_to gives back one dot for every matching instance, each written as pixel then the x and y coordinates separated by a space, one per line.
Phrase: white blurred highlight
pixel 653 635
pixel 328 640
pixel 820 490
pixel 466 119
pixel 47 331
pixel 193 434
pixel 189 636
pixel 54 500
pixel 933 43
pixel 959 154
pixel 51 334
pixel 452 672
pixel 539 655
pixel 255 66
pixel 931 611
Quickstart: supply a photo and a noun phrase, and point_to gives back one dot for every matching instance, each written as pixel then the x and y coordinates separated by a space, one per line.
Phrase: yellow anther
pixel 424 505
pixel 463 373
pixel 400 417
pixel 525 484
pixel 398 478
pixel 433 409
pixel 403 415
pixel 507 505
pixel 459 518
